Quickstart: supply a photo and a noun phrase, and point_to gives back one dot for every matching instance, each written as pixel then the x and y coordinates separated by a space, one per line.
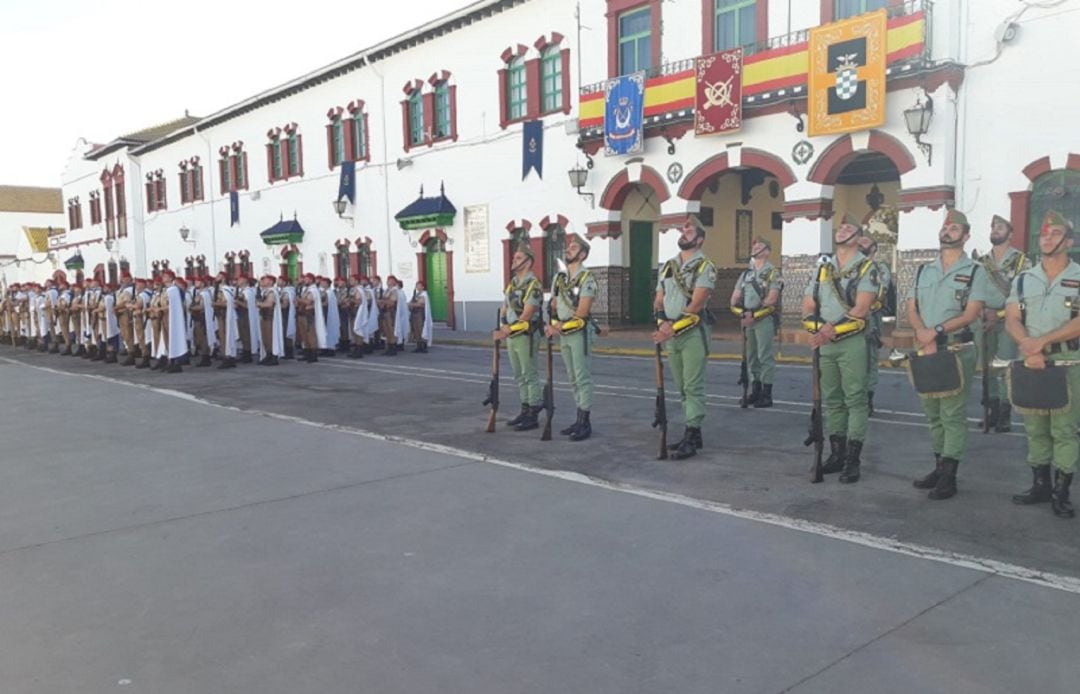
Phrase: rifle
pixel 985 359
pixel 660 418
pixel 493 387
pixel 816 436
pixel 744 375
pixel 549 387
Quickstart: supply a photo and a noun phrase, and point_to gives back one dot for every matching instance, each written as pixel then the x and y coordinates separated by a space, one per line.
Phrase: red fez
pixel 125 275
pixel 391 277
pixel 140 280
pixel 182 282
pixel 309 275
pixel 358 278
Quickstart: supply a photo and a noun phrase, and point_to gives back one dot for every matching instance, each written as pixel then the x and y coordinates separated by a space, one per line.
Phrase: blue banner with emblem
pixel 624 111
pixel 347 186
pixel 532 148
pixel 234 208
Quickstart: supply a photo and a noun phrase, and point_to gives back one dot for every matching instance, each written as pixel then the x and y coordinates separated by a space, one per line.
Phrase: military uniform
pixel 523 345
pixel 754 286
pixel 576 337
pixel 688 350
pixel 875 331
pixel 844 360
pixel 996 341
pixel 940 295
pixel 1045 306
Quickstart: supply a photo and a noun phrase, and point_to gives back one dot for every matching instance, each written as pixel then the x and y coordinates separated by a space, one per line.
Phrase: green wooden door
pixel 436 281
pixel 641 267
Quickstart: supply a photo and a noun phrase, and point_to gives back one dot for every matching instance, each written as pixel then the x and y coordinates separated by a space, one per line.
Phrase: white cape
pixel 232 329
pixel 359 326
pixel 425 332
pixel 276 332
pixel 315 294
pixel 290 324
pixel 401 317
pixel 177 323
pixel 112 326
pixel 251 297
pixel 333 319
pixel 373 314
pixel 143 332
pixel 209 321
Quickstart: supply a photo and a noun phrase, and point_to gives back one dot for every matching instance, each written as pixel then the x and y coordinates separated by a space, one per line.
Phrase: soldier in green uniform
pixel 947 298
pixel 1042 316
pixel 683 287
pixel 754 300
pixel 836 306
pixel 573 292
pixel 876 324
pixel 521 318
pixel 1002 264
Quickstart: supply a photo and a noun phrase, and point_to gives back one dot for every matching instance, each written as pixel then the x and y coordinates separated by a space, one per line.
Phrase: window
pixel 74 214
pixel 121 204
pixel 1057 190
pixel 155 191
pixel 347 137
pixel 277 167
pixel 232 169
pixel 551 79
pixel 850 8
pixel 442 111
pixel 191 185
pixel 554 249
pixel 284 154
pixel 416 118
pixel 295 164
pixel 95 207
pixel 337 142
pixel 110 210
pixel 635 40
pixel 358 123
pixel 735 24
pixel 366 262
pixel 516 91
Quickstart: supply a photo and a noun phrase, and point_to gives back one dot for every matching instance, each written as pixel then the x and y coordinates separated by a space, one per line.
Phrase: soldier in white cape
pixel 401 315
pixel 269 304
pixel 177 345
pixel 228 329
pixel 420 312
pixel 287 293
pixel 112 326
pixel 251 298
pixel 313 294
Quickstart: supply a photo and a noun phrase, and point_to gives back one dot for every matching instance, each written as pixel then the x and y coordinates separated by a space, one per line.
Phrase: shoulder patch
pixel 963 278
pixel 1071 284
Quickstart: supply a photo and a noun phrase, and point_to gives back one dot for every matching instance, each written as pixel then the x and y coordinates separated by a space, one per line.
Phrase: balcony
pixel 773 71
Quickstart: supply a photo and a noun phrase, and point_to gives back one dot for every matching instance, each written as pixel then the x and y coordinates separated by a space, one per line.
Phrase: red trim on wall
pixel 932 197
pixel 617 7
pixel 1037 168
pixel 429 118
pixel 406 140
pixel 1020 208
pixel 503 115
pixel 453 135
pixel 547 222
pixel 620 186
pixel 831 163
pixel 532 89
pixel 603 230
pixel 814 208
pixel 565 55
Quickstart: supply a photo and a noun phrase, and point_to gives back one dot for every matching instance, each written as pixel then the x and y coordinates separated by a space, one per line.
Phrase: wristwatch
pixel 939 329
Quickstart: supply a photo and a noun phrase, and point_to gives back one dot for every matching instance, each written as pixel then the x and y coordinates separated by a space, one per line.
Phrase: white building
pixel 31 221
pixel 442 109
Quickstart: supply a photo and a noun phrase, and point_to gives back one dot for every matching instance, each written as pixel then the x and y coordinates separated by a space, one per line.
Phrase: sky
pixel 101 68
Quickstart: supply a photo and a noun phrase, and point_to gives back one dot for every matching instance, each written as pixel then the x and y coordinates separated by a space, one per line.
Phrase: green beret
pixel 1055 218
pixel 763 242
pixel 998 219
pixel 956 217
pixel 849 218
pixel 574 237
pixel 526 250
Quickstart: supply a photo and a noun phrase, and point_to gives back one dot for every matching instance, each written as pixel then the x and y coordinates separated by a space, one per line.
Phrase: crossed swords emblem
pixel 718 94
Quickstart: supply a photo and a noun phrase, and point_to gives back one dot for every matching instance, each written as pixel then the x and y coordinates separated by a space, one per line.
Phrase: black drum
pixel 936 375
pixel 1039 391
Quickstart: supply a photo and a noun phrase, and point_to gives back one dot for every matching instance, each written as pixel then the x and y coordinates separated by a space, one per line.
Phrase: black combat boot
pixel 204 360
pixel 423 346
pixel 110 357
pixel 870 403
pixel 837 454
pixel 272 360
pixel 227 363
pixel 1004 419
pixel 850 475
pixel 573 427
pixel 946 484
pixel 83 352
pixel 312 355
pixel 694 433
pixel 1062 506
pixel 161 364
pixel 289 354
pixel 584 429
pixel 1041 488
pixel 145 363
pixel 174 367
pixel 245 357
pixel 687 447
pixel 931 480
pixel 992 414
pixel 754 394
pixel 521 415
pixel 765 399
pixel 531 420
pixel 54 348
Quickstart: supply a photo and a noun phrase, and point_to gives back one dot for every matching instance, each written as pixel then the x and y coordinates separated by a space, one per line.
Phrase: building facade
pixel 32 225
pixel 430 143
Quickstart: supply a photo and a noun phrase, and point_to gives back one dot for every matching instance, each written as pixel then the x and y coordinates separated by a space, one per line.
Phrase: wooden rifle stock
pixel 549 392
pixel 660 418
pixel 816 437
pixel 985 383
pixel 744 374
pixel 493 387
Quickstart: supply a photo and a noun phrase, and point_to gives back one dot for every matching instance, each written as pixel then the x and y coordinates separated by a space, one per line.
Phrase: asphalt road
pixel 347 526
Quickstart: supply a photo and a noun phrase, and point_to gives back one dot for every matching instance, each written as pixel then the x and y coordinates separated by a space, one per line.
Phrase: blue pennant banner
pixel 234 208
pixel 624 110
pixel 347 186
pixel 532 148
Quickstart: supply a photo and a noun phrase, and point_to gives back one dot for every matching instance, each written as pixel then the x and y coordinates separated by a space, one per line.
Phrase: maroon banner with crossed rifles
pixel 718 106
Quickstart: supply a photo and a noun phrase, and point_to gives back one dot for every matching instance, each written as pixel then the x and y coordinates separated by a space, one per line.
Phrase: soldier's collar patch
pixel 963 278
pixel 1071 284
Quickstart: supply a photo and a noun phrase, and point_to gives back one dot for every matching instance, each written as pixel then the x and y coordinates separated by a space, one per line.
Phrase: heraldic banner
pixel 847 74
pixel 624 111
pixel 718 104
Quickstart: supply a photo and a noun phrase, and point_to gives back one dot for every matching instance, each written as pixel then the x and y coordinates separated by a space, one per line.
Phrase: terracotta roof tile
pixel 29 199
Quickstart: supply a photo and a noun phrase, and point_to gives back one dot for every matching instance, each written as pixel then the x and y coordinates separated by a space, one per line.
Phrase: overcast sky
pixel 101 68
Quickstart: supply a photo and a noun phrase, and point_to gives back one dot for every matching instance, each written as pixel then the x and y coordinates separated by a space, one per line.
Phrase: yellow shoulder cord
pixel 813 323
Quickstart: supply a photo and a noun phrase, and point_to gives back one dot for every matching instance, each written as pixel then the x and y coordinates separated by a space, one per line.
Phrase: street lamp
pixel 339 206
pixel 185 234
pixel 917 118
pixel 109 243
pixel 578 178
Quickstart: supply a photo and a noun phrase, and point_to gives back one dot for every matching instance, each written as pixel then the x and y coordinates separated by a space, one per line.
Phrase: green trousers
pixel 760 355
pixel 948 416
pixel 1052 438
pixel 843 387
pixel 688 354
pixel 576 352
pixel 524 351
pixel 999 345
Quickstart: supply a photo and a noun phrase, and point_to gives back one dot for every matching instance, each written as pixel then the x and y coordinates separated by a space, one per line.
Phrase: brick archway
pixel 832 162
pixel 1020 201
pixel 621 185
pixel 695 183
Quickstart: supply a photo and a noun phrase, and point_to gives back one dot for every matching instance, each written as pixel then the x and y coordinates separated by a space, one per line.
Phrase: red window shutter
pixel 270 162
pixel 300 155
pixel 330 147
pixel 162 202
pixel 221 166
pixel 405 124
pixel 533 103
pixel 565 54
pixel 151 205
pixel 242 164
pixel 347 133
pixel 503 116
pixel 429 118
pixel 453 112
pixel 366 154
pixel 183 192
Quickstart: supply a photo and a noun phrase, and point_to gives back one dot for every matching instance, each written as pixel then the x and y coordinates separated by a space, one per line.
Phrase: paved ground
pixel 174 546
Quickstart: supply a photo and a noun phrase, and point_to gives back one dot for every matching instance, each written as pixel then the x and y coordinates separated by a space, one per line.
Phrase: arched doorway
pixel 1055 190
pixel 435 266
pixel 868 187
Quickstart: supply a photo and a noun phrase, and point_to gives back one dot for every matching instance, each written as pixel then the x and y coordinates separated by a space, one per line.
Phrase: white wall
pixel 34 267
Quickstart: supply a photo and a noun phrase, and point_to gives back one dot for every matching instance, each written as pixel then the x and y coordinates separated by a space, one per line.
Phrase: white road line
pixel 993 567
